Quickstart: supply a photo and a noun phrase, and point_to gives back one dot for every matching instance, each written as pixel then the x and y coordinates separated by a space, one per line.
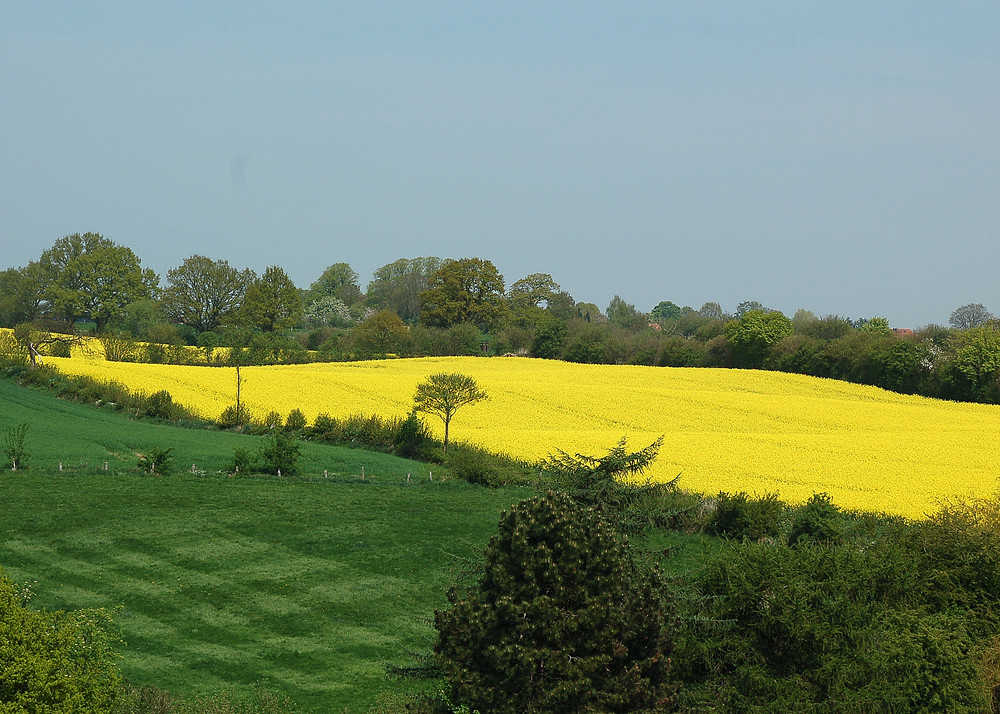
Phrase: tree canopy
pixel 443 394
pixel 272 303
pixel 204 293
pixel 398 286
pixel 340 281
pixel 467 290
pixel 89 276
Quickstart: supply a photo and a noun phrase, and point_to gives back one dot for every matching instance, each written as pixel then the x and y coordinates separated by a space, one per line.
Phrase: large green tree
pixel 467 290
pixel 752 336
pixel 22 294
pixel 398 285
pixel 560 620
pixel 625 315
pixel 526 297
pixel 379 334
pixel 339 280
pixel 89 276
pixel 204 293
pixel 272 302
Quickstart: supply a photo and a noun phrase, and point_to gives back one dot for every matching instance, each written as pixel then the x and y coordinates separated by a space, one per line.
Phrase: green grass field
pixel 308 586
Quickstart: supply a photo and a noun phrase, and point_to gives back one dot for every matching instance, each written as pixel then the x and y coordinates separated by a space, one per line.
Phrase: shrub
pixel 739 516
pixel 243 461
pixel 280 454
pixel 160 405
pixel 16 448
pixel 54 661
pixel 818 521
pixel 231 416
pixel 473 465
pixel 323 425
pixel 296 420
pixel 157 460
pixel 154 353
pixel 413 439
pixel 826 628
pixel 119 349
pixel 561 619
pixel 273 420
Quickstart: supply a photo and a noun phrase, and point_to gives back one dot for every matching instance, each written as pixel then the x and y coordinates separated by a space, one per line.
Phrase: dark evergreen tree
pixel 560 620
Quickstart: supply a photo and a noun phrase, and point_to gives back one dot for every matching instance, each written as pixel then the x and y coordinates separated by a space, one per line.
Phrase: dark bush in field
pixel 737 515
pixel 561 620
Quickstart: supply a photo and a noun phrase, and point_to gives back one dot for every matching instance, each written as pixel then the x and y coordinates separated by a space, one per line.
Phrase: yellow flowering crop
pixel 729 430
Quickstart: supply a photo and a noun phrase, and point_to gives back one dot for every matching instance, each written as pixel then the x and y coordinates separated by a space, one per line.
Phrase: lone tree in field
pixel 443 394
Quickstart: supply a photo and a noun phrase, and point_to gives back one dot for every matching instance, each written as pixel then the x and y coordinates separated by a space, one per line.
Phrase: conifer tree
pixel 561 620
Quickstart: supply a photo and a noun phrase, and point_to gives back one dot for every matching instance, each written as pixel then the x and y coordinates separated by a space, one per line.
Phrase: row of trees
pixel 429 306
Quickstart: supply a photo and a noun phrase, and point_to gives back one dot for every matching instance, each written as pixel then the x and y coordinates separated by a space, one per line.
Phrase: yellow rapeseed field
pixel 760 432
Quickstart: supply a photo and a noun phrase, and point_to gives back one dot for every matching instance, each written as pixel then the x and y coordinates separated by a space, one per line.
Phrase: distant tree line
pixel 429 306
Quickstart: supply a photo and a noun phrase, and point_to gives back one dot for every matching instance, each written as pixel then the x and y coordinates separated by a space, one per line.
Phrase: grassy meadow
pixel 725 429
pixel 306 586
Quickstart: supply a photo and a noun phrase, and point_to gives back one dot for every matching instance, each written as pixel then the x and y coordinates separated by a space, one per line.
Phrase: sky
pixel 842 158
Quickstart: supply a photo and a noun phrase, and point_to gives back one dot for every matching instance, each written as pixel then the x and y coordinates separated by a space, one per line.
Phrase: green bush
pixel 231 416
pixel 832 628
pixel 560 620
pixel 160 405
pixel 296 420
pixel 273 420
pixel 157 460
pixel 473 465
pixel 280 454
pixel 54 661
pixel 16 447
pixel 243 461
pixel 413 440
pixel 818 521
pixel 739 516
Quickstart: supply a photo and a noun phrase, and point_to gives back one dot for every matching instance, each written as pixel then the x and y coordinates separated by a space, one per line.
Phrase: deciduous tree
pixel 625 315
pixel 753 335
pixel 89 276
pixel 339 280
pixel 467 290
pixel 443 394
pixel 204 293
pixel 968 316
pixel 398 286
pixel 379 334
pixel 272 303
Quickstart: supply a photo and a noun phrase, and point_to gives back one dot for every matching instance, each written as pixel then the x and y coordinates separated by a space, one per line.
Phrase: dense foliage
pixel 54 661
pixel 560 620
pixel 428 307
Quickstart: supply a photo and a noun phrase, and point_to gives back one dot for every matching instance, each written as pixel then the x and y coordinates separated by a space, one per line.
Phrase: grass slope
pixel 308 586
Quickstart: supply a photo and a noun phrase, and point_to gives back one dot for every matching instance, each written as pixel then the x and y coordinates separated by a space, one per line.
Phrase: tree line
pixel 431 306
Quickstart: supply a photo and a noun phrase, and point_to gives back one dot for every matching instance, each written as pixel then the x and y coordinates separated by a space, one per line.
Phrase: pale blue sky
pixel 839 157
